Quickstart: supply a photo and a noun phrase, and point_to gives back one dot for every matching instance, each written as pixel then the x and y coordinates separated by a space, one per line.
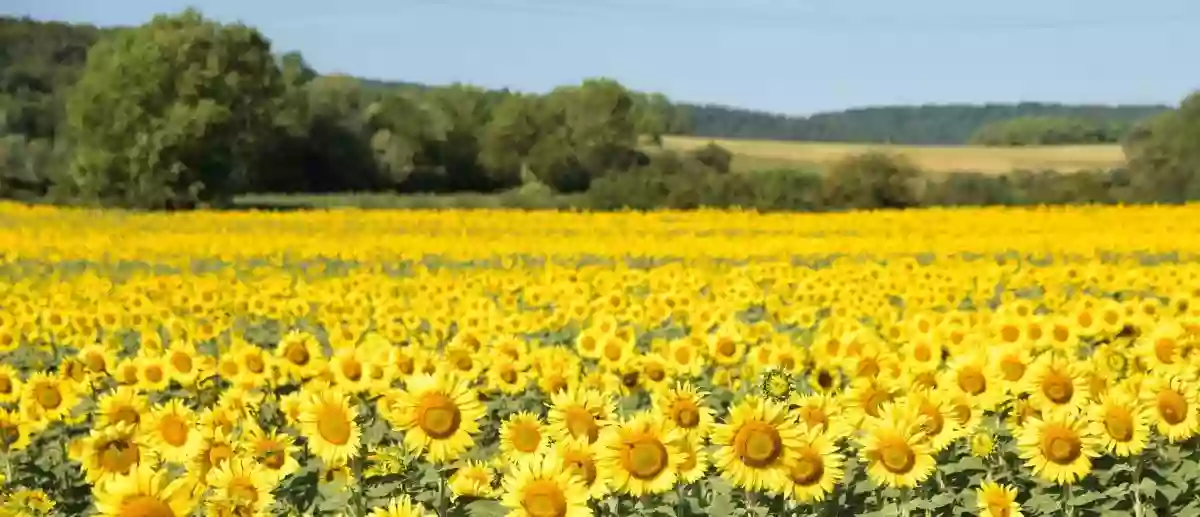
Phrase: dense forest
pixel 184 111
pixel 922 125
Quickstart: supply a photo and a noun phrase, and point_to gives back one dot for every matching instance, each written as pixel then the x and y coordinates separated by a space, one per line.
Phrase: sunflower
pixel 685 409
pixel 939 423
pixel 523 434
pixel 813 468
pixel 971 375
pixel 1122 425
pixel 753 444
pixel 1054 383
pixel 895 449
pixel 576 455
pixel 997 500
pixel 124 404
pixel 726 346
pixel 402 506
pixel 52 397
pixel 273 450
pixel 686 357
pixel 147 492
pixel 439 414
pixel 507 377
pixel 639 456
pixel 1058 448
pixel 183 365
pixel 826 379
pixel 696 459
pixel 14 433
pixel 1174 404
pixel 153 375
pixel 579 413
pixel 473 479
pixel 819 412
pixel 171 429
pixel 113 451
pixel 537 487
pixel 10 384
pixel 327 421
pixel 241 487
pixel 300 355
pixel 348 369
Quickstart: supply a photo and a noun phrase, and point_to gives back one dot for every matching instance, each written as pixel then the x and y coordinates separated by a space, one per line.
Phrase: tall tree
pixel 1163 155
pixel 172 113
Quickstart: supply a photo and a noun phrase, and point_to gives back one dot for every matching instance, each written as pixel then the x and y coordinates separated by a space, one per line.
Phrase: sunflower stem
pixel 1068 509
pixel 1137 489
pixel 443 511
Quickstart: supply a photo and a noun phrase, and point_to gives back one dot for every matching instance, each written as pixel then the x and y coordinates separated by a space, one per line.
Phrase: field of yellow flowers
pixel 922 363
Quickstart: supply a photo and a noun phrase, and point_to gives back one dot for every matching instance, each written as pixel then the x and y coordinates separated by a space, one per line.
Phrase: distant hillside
pixel 39 60
pixel 930 124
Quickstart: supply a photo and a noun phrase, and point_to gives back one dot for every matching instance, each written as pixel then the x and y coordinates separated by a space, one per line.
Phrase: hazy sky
pixel 793 56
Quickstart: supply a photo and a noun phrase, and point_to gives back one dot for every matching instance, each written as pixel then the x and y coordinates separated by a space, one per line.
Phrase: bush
pixel 714 156
pixel 871 181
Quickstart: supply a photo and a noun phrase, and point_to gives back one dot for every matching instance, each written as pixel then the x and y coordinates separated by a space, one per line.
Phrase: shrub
pixel 870 181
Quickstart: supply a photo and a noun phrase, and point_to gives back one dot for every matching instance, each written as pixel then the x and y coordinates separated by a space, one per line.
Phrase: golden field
pixel 997 362
pixel 750 155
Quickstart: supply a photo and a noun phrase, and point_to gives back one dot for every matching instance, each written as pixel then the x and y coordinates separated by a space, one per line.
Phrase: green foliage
pixel 715 156
pixel 1164 157
pixel 173 113
pixel 871 181
pixel 930 124
pixel 1043 130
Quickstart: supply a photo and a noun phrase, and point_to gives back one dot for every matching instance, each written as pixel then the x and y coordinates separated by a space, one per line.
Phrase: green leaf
pixel 486 508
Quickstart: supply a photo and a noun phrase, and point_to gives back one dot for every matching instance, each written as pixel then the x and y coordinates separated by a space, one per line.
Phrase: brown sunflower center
pixel 971 380
pixel 1119 424
pixel 544 498
pixel 526 437
pixel 145 506
pixel 1010 333
pixel 352 369
pixel 807 470
pixel 118 456
pixel 174 430
pixel 644 458
pixel 582 424
pixel 127 414
pixel 297 354
pixel 438 416
pixel 48 396
pixel 182 362
pixel 583 465
pixel 685 414
pixel 1058 387
pixel 1172 406
pixel 1012 368
pixel 242 490
pixel 683 355
pixel 1061 447
pixel 333 424
pixel 254 363
pixel 274 456
pixel 758 444
pixel 1164 350
pixel 897 457
pixel 726 347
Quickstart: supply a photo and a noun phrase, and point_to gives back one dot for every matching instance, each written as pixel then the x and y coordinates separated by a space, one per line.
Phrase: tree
pixel 870 181
pixel 172 113
pixel 1163 156
pixel 509 137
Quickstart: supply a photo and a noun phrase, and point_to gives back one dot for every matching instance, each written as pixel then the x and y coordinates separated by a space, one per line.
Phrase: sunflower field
pixel 996 362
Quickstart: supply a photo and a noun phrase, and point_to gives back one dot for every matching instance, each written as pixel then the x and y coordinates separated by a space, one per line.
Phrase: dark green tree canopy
pixel 1041 130
pixel 172 113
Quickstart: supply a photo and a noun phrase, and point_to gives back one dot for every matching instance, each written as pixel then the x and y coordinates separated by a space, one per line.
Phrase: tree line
pixel 184 111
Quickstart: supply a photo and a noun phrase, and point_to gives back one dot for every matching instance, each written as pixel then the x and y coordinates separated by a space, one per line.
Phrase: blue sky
pixel 791 56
